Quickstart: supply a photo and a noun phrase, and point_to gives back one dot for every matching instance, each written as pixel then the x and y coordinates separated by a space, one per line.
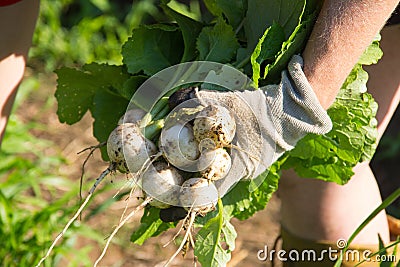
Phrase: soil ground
pixel 253 235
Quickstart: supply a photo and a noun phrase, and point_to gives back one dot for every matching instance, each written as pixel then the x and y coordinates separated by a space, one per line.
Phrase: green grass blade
pixel 381 207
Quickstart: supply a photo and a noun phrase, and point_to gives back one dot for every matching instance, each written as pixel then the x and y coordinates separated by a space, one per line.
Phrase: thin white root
pixel 199 98
pixel 137 175
pixel 130 215
pixel 127 202
pixel 64 230
pixel 128 182
pixel 179 231
pixel 191 239
pixel 110 169
pixel 185 238
pixel 92 149
pixel 78 212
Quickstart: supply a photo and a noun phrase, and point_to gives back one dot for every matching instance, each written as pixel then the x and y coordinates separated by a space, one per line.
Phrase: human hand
pixel 269 122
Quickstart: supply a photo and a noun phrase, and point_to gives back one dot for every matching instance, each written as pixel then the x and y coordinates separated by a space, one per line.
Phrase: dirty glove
pixel 269 122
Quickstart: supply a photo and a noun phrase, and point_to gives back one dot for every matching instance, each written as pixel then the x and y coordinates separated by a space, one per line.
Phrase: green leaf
pixel 296 19
pixel 106 110
pixel 217 43
pixel 190 31
pixel 209 244
pixel 293 45
pixel 131 85
pixel 243 201
pixel 75 90
pixel 329 169
pixel 234 10
pixel 361 116
pixel 352 139
pixel 262 14
pixel 98 87
pixel 150 225
pixel 383 253
pixel 372 54
pixel 109 77
pixel 153 48
pixel 267 47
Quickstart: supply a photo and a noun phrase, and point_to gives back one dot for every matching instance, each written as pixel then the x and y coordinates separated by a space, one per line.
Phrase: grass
pixel 35 199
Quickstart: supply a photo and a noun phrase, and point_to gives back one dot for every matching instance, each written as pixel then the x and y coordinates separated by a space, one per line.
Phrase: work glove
pixel 269 121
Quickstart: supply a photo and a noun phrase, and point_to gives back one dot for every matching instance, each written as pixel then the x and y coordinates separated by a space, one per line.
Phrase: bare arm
pixel 343 31
pixel 318 210
pixel 17 25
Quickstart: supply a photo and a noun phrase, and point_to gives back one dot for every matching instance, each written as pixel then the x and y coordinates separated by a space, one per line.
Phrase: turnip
pixel 214 164
pixel 128 149
pixel 179 147
pixel 214 127
pixel 162 183
pixel 198 196
pixel 132 116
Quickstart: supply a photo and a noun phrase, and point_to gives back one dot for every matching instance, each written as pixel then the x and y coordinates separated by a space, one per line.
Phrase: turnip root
pixel 119 226
pixel 214 164
pixel 162 183
pixel 132 116
pixel 128 149
pixel 179 146
pixel 214 127
pixel 198 195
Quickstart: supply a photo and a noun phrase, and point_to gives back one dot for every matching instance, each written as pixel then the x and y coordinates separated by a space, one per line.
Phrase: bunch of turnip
pixel 173 156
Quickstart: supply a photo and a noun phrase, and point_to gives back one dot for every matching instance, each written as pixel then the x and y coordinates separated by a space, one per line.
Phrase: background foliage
pixel 36 200
pixel 74 32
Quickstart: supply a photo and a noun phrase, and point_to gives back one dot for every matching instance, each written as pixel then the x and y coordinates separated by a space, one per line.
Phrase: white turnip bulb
pixel 178 145
pixel 214 127
pixel 214 164
pixel 128 149
pixel 162 183
pixel 132 116
pixel 198 195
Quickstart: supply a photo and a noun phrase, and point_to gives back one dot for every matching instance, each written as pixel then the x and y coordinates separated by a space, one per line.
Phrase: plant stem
pixel 153 129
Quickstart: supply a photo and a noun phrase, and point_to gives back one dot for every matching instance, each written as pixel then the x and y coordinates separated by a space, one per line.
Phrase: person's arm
pixel 17 23
pixel 343 31
pixel 314 209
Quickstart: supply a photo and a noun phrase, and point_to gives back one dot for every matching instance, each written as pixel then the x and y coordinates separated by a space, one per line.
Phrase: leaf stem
pixel 153 129
pixel 164 112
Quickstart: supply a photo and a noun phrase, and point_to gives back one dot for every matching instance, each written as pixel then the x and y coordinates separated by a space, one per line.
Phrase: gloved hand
pixel 269 122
